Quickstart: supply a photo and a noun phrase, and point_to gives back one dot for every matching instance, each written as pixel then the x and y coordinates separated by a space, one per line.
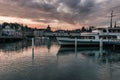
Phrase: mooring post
pixel 32 43
pixel 101 46
pixel 32 48
pixel 75 45
pixel 101 42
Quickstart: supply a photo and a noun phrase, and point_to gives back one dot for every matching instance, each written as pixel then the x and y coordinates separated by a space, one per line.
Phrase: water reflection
pixel 99 63
pixel 21 45
pixel 103 55
pixel 47 61
pixel 24 48
pixel 42 41
pixel 16 46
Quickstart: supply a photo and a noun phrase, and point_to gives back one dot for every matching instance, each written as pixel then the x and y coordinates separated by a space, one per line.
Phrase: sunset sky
pixel 59 14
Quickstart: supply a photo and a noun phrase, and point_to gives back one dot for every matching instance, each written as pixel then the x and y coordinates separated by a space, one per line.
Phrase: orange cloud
pixel 33 24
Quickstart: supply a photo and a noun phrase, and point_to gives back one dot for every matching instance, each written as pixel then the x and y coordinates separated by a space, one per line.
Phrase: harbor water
pixel 49 61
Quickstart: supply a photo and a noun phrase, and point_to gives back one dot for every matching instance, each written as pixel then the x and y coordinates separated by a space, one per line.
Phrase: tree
pixel 48 28
pixel 83 29
pixel 90 29
pixel 5 24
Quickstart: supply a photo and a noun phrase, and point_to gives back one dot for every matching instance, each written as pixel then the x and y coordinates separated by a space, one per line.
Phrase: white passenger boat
pixel 108 36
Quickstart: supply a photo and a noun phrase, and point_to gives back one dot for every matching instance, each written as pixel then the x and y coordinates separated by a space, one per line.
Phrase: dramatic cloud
pixel 73 12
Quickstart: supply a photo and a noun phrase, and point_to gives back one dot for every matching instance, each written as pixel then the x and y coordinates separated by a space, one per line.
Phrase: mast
pixel 115 24
pixel 111 18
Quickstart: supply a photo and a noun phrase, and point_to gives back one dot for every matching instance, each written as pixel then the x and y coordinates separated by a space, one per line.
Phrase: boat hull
pixel 84 42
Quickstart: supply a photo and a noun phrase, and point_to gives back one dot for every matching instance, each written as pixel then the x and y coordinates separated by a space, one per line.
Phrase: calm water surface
pixel 49 61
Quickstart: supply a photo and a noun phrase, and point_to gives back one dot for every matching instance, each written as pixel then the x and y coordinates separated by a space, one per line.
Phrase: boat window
pixel 84 37
pixel 104 30
pixel 114 30
pixel 110 30
pixel 108 37
pixel 92 37
pixel 87 37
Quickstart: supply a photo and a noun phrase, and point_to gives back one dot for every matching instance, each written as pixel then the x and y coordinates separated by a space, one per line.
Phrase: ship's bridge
pixel 100 30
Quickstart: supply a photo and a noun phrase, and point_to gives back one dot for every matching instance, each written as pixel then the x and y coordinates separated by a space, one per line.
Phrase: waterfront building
pixel 39 32
pixel 9 30
pixel 0 30
pixel 15 30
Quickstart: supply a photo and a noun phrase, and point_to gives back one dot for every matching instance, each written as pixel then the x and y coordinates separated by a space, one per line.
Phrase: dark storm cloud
pixel 71 11
pixel 79 6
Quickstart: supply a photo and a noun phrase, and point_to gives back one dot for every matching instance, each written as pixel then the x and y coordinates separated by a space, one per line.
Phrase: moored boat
pixel 108 36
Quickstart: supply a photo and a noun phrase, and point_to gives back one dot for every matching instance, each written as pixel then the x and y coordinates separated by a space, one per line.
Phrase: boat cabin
pixel 106 30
